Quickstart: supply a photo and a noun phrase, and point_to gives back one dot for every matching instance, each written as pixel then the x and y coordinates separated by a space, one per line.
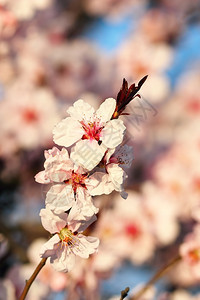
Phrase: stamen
pixel 194 255
pixel 67 238
pixel 92 129
pixel 70 240
pixel 77 180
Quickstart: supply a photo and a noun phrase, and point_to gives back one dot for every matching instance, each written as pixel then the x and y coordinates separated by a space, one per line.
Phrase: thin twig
pixel 156 277
pixel 124 293
pixel 32 278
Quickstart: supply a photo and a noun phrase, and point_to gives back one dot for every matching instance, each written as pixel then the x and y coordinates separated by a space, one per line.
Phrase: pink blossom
pixel 72 184
pixel 32 114
pixel 93 132
pixel 190 251
pixel 67 241
pixel 163 214
pixel 129 230
pixel 113 179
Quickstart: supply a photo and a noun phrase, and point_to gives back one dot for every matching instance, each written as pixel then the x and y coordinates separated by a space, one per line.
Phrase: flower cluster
pixel 95 166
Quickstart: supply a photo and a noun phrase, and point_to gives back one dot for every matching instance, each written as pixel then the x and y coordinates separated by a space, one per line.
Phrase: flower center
pixel 194 255
pixel 92 130
pixel 30 115
pixel 68 238
pixel 132 230
pixel 77 180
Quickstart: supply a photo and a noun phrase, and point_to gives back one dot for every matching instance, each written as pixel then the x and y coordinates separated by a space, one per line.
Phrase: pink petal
pixel 41 177
pixel 50 221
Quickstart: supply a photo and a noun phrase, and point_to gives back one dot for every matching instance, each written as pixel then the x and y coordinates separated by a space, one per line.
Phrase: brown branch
pixel 124 293
pixel 32 278
pixel 156 277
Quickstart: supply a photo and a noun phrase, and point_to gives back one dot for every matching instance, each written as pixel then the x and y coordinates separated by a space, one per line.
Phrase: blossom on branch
pixel 114 176
pixel 71 184
pixel 67 241
pixel 93 132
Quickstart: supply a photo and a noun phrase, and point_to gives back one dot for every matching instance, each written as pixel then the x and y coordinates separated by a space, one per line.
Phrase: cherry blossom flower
pixel 31 122
pixel 129 230
pixel 190 251
pixel 67 241
pixel 93 132
pixel 77 67
pixel 163 215
pixel 72 183
pixel 115 161
pixel 8 22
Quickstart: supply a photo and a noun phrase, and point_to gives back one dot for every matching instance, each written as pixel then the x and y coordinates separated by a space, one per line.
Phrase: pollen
pixel 68 238
pixel 92 130
pixel 77 180
pixel 194 255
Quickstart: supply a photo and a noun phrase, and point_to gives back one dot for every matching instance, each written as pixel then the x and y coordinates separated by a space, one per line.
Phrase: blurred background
pixel 54 52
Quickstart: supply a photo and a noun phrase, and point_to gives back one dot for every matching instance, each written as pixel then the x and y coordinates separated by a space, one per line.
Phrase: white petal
pixel 50 221
pixel 93 180
pixel 82 213
pixel 88 153
pixel 51 152
pixel 116 175
pixel 105 186
pixel 59 175
pixel 84 224
pixel 86 246
pixel 67 132
pixel 41 177
pixel 48 248
pixel 98 178
pixel 64 260
pixel 84 200
pixel 81 111
pixel 106 110
pixel 108 155
pixel 60 197
pixel 113 133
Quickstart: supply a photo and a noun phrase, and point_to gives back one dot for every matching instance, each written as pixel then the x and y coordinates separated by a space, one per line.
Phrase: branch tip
pixel 124 293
